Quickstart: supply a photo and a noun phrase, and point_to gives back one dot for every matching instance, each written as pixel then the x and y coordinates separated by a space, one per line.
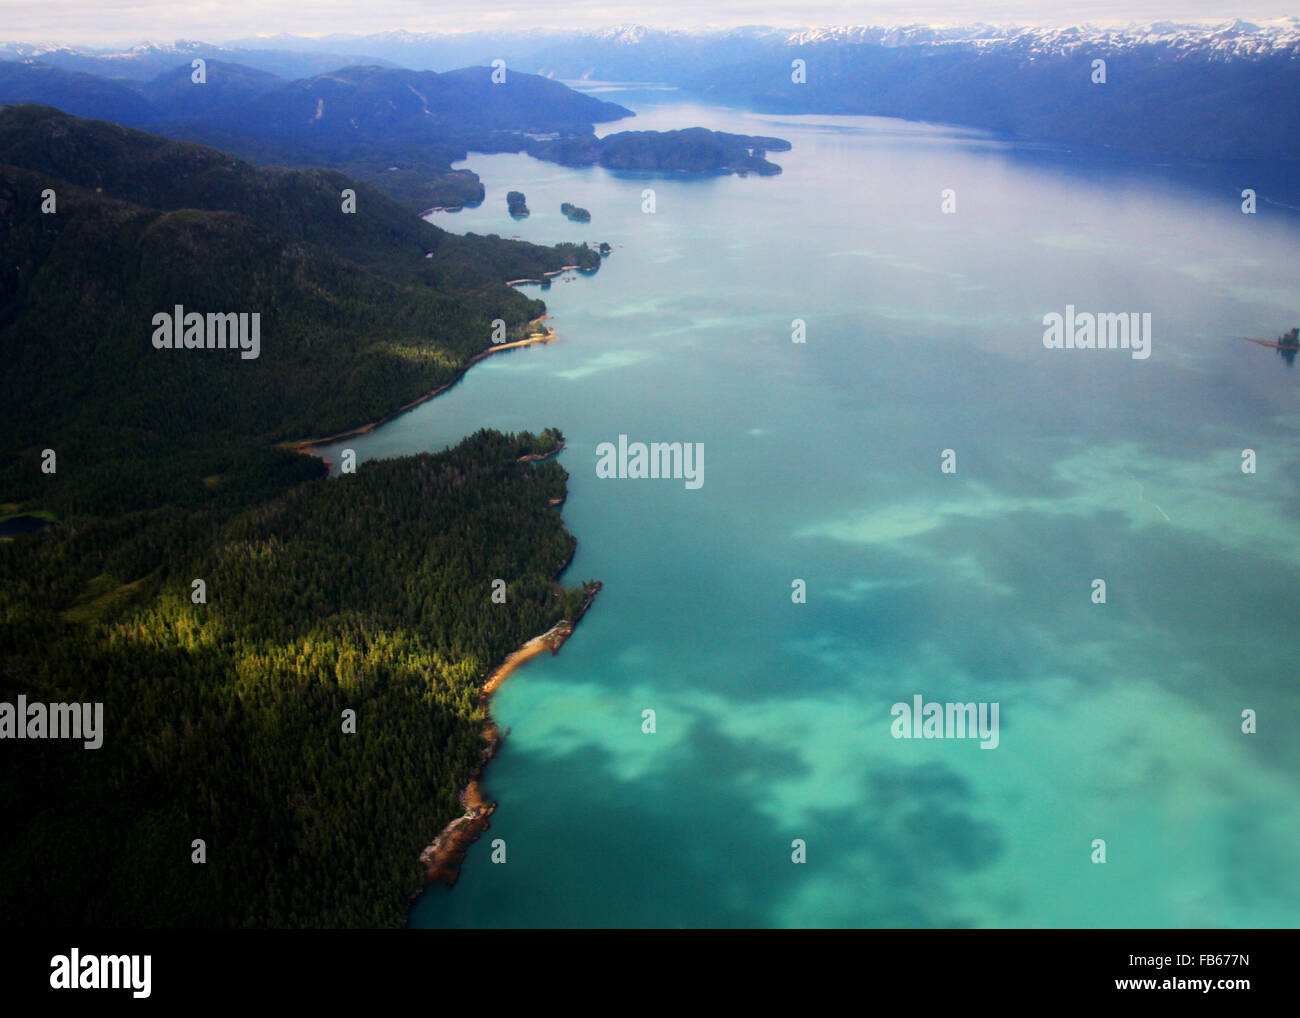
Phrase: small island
pixel 693 150
pixel 516 204
pixel 1287 345
pixel 604 247
pixel 578 215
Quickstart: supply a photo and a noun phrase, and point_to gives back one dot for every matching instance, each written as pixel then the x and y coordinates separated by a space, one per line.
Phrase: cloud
pixel 96 24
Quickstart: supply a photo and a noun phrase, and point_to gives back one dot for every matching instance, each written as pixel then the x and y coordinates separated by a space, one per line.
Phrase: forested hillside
pixel 398 130
pixel 224 715
pixel 342 343
pixel 224 721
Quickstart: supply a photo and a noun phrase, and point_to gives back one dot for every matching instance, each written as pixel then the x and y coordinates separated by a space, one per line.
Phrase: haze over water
pixel 1119 721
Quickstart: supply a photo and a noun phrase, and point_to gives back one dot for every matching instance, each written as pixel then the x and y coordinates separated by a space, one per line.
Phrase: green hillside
pixel 369 592
pixel 355 319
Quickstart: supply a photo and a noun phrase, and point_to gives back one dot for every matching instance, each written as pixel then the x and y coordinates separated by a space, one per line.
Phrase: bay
pixel 1119 721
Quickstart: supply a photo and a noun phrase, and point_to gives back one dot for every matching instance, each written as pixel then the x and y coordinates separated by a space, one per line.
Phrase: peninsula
pixel 312 713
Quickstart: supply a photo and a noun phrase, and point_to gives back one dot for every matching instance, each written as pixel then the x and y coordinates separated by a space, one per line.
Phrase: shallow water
pixel 1118 721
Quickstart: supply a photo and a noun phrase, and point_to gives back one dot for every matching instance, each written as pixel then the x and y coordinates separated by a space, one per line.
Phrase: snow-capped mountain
pixel 146 60
pixel 629 52
pixel 1184 90
pixel 1231 38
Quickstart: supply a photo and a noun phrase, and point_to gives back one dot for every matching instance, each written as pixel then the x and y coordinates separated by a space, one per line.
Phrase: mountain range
pixel 1191 91
pixel 397 129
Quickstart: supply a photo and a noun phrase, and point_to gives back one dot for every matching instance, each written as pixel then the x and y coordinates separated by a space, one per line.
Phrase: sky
pixel 110 23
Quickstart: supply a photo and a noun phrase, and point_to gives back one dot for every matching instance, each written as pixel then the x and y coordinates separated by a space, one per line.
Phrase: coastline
pixel 541 457
pixel 444 856
pixel 554 272
pixel 306 445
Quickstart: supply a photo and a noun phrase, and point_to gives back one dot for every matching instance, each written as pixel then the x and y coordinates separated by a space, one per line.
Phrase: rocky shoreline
pixel 541 457
pixel 443 857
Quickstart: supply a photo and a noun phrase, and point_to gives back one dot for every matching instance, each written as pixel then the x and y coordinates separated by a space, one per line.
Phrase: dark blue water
pixel 22 525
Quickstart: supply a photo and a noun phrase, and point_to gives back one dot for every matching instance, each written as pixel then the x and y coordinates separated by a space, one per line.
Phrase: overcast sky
pixel 109 22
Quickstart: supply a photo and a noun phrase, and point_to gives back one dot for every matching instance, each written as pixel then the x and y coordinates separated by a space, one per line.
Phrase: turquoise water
pixel 1118 721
